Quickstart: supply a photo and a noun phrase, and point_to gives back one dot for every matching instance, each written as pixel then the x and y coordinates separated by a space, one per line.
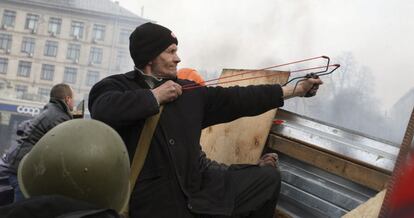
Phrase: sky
pixel 247 34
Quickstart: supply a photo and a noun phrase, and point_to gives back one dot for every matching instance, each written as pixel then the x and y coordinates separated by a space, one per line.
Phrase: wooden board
pixel 360 174
pixel 369 209
pixel 242 140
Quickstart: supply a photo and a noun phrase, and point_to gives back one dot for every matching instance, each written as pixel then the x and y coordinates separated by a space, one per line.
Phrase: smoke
pixel 231 34
pixel 250 34
pixel 346 100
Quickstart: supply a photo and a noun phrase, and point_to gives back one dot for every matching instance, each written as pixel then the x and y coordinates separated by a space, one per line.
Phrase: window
pixel 51 48
pixel 28 45
pixel 95 56
pixel 24 68
pixel 124 36
pixel 54 25
pixel 70 75
pixel 3 65
pixel 5 41
pixel 43 92
pixel 77 29
pixel 47 72
pixel 121 56
pixel 73 52
pixel 9 18
pixel 31 21
pixel 21 90
pixel 92 77
pixel 98 32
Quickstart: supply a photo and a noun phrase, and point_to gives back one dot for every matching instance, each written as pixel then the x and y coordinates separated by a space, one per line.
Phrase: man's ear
pixel 147 69
pixel 67 98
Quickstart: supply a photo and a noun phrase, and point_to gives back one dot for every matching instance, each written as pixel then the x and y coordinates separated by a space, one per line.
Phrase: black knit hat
pixel 148 41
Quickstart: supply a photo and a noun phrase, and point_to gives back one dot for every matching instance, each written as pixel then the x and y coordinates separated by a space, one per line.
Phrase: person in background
pixel 29 132
pixel 190 74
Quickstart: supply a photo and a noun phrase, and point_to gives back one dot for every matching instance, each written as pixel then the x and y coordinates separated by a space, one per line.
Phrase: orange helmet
pixel 190 74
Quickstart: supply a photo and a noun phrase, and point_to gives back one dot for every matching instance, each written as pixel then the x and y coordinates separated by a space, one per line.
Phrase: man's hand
pixel 167 92
pixel 309 86
pixel 269 159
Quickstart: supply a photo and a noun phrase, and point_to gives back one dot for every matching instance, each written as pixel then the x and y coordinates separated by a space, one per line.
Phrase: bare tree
pixel 346 99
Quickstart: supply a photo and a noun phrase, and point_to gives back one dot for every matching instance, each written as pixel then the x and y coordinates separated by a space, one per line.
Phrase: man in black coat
pixel 29 132
pixel 177 179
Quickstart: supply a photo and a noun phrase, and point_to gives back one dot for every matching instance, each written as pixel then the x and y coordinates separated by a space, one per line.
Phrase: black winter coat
pixel 177 179
pixel 30 131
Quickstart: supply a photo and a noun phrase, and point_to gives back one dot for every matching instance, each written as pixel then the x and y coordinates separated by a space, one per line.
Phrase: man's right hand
pixel 167 92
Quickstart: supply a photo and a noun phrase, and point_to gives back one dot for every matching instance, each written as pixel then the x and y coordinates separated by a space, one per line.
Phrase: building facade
pixel 46 42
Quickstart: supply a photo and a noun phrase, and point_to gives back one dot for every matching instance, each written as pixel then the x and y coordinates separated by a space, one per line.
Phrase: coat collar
pixel 142 78
pixel 132 75
pixel 60 104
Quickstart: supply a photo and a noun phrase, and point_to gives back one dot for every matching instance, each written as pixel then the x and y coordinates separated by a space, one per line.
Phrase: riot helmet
pixel 81 159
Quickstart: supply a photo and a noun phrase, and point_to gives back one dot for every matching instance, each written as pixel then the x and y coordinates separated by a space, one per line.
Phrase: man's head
pixel 63 92
pixel 154 50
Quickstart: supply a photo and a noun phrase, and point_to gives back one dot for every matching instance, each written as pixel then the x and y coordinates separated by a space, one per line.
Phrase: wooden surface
pixel 242 140
pixel 358 173
pixel 369 209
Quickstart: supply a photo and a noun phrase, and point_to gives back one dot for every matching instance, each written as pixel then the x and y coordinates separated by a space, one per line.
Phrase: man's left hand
pixel 306 88
pixel 269 159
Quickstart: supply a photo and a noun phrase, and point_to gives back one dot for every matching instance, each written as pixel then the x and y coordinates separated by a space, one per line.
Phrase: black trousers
pixel 257 190
pixel 254 189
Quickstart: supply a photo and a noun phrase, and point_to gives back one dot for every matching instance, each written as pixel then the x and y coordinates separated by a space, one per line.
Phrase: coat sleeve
pixel 56 120
pixel 111 103
pixel 227 104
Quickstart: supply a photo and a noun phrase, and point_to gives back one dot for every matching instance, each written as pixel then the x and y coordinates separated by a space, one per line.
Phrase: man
pixel 29 132
pixel 177 179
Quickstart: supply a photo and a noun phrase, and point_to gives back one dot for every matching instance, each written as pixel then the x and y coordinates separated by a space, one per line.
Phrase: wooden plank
pixel 242 140
pixel 360 174
pixel 371 208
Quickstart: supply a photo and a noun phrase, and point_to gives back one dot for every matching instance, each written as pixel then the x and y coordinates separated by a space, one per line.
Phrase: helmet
pixel 81 159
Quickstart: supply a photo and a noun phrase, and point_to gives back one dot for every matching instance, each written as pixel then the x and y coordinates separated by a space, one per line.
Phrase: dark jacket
pixel 52 206
pixel 176 173
pixel 30 131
